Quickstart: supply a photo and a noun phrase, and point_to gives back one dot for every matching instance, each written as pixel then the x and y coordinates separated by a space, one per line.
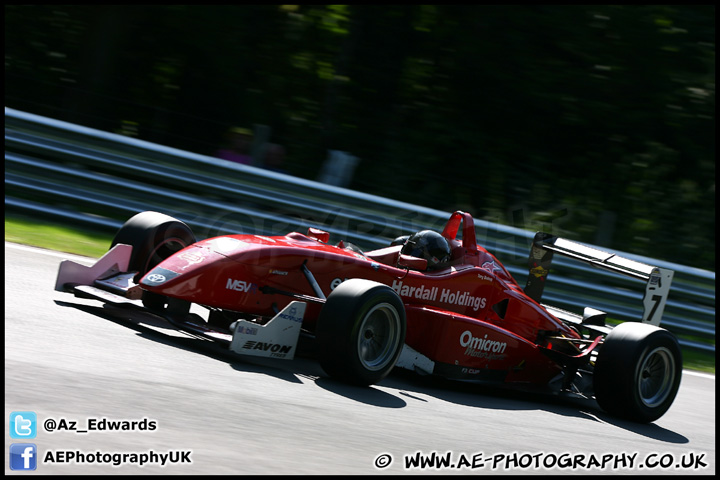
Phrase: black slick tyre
pixel 154 237
pixel 360 332
pixel 638 371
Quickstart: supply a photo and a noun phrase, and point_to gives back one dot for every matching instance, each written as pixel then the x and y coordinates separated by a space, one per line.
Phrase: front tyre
pixel 154 237
pixel 638 372
pixel 360 332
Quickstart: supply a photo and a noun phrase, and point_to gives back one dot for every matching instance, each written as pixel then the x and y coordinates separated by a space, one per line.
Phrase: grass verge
pixel 56 236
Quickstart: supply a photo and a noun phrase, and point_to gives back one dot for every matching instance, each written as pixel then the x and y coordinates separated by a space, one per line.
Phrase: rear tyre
pixel 360 332
pixel 154 237
pixel 638 372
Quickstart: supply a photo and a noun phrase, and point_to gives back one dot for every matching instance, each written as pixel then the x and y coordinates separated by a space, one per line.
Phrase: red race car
pixel 432 302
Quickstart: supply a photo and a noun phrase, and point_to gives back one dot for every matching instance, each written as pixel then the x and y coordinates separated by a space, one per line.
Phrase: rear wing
pixel 657 280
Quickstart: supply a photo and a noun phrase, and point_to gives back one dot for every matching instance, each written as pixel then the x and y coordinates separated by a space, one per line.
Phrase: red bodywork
pixel 472 319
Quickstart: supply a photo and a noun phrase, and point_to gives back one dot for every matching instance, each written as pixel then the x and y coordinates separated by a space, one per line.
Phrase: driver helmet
pixel 429 245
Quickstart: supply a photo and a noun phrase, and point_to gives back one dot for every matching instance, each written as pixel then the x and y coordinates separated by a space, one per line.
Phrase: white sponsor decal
pixel 240 286
pixel 490 266
pixel 421 292
pixel 191 257
pixel 463 299
pixel 481 347
pixel 337 281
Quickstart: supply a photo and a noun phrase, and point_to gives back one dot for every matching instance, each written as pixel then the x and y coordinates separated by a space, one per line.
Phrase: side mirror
pixel 318 234
pixel 412 263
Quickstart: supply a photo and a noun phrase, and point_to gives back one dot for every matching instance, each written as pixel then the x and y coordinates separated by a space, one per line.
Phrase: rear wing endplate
pixel 657 280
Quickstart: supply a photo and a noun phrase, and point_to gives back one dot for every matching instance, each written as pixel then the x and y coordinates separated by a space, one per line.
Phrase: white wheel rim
pixel 656 376
pixel 378 337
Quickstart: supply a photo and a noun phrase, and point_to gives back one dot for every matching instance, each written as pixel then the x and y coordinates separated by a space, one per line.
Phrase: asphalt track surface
pixel 72 360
